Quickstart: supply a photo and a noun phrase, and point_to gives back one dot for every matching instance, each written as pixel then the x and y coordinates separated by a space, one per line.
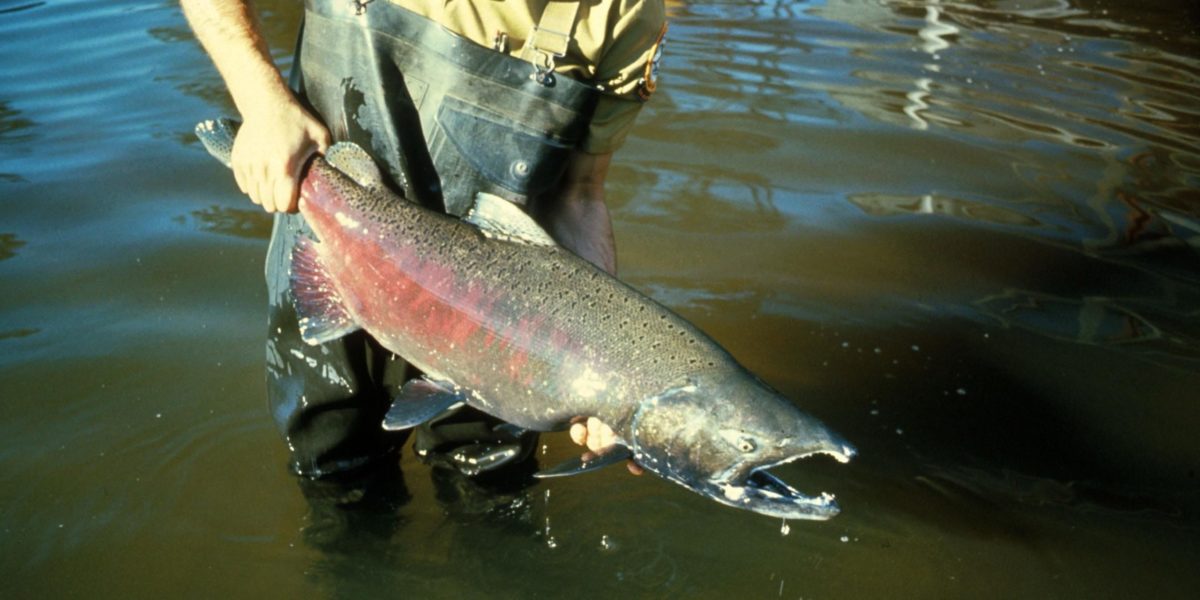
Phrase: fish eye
pixel 738 438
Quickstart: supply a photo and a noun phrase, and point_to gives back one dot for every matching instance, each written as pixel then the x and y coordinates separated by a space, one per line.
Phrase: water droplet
pixel 785 529
pixel 845 538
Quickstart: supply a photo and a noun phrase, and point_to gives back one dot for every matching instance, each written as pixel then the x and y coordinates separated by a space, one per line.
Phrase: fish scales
pixel 444 298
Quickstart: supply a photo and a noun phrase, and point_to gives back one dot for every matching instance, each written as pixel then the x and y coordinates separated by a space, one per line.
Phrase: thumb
pixel 322 139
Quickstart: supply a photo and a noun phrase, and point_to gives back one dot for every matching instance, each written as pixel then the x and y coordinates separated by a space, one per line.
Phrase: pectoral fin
pixel 323 317
pixel 589 461
pixel 421 400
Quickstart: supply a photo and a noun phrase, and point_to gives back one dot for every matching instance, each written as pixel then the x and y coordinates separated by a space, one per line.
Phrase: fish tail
pixel 217 136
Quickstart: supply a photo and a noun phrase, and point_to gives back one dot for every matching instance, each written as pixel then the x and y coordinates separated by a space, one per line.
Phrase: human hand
pixel 271 149
pixel 596 435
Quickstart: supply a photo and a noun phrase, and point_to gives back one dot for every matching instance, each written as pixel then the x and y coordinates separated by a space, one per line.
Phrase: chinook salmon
pixel 499 317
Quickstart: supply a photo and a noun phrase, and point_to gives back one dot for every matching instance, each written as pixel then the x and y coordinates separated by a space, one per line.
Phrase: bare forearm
pixel 577 216
pixel 278 135
pixel 582 225
pixel 229 32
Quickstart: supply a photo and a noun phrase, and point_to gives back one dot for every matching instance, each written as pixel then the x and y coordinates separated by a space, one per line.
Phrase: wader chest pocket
pixel 506 154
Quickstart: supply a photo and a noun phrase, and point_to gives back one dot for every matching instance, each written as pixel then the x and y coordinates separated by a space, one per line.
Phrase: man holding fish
pixel 523 99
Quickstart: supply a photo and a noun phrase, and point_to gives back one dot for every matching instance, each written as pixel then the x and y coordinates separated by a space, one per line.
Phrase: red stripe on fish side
pixel 398 292
pixel 448 312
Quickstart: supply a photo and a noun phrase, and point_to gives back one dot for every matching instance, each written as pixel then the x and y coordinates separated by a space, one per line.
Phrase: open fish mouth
pixel 766 494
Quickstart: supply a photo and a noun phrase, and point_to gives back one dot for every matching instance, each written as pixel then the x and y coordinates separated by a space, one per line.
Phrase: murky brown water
pixel 964 234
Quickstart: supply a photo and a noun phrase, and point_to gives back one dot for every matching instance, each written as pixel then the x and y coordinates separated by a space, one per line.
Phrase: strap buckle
pixel 543 67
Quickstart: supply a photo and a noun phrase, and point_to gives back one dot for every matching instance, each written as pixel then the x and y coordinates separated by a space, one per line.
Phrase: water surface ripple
pixel 965 234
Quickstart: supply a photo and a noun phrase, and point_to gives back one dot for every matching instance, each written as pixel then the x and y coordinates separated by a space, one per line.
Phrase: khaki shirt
pixel 615 45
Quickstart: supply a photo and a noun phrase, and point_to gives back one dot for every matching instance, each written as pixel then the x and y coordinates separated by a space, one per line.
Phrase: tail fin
pixel 217 136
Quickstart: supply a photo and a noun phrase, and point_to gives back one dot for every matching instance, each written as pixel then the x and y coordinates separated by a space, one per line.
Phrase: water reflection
pixel 699 196
pixel 1012 77
pixel 20 8
pixel 250 223
pixel 18 333
pixel 13 125
pixel 352 522
pixel 934 37
pixel 959 43
pixel 955 484
pixel 15 132
pixel 346 514
pixel 1152 330
pixel 682 296
pixel 9 242
pixel 881 205
pixel 366 533
pixel 1089 320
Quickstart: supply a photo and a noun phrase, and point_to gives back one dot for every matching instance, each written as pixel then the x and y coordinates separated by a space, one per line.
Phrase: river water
pixel 964 234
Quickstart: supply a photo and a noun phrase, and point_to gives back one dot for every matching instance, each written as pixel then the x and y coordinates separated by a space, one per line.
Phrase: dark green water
pixel 966 235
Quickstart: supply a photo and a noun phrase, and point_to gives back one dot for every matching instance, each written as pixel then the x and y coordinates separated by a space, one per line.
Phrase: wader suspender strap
pixel 550 38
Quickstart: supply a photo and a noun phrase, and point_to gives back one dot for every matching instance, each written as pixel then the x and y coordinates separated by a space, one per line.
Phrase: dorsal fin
pixel 499 218
pixel 351 159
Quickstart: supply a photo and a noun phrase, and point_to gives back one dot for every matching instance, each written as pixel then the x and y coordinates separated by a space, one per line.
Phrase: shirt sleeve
pixel 611 123
pixel 628 72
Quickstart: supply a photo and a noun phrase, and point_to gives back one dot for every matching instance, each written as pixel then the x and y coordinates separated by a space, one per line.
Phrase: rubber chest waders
pixel 446 118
